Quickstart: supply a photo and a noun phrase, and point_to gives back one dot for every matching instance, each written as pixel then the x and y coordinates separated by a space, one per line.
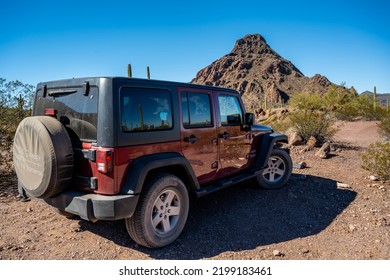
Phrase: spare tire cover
pixel 43 156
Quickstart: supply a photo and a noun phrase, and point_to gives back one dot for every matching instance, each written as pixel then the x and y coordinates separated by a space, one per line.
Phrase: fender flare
pixel 266 146
pixel 142 166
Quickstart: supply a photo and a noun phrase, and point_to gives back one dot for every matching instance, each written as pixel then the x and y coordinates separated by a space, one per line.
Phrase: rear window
pixel 196 109
pixel 145 109
pixel 77 112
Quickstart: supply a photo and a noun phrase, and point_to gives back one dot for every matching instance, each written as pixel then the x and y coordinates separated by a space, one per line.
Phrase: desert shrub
pixel 336 98
pixel 377 159
pixel 339 103
pixel 384 124
pixel 312 123
pixel 362 106
pixel 15 104
pixel 307 101
pixel 311 116
pixel 314 115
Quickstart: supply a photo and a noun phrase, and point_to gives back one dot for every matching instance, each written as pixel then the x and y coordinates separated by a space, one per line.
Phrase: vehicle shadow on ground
pixel 244 217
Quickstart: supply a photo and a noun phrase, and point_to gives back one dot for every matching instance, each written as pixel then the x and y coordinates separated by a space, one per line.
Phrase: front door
pixel 234 143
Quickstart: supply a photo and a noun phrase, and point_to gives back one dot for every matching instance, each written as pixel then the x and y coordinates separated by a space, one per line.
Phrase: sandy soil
pixel 358 133
pixel 314 217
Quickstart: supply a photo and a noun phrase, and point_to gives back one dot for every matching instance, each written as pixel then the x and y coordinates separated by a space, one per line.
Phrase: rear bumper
pixel 93 207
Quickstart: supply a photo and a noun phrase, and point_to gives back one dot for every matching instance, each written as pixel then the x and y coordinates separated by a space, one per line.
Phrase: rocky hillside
pixel 258 73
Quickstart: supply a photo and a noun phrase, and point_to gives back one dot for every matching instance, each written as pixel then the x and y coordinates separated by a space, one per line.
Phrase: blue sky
pixel 48 40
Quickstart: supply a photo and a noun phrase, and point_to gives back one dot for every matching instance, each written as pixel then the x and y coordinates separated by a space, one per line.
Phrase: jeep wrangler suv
pixel 110 148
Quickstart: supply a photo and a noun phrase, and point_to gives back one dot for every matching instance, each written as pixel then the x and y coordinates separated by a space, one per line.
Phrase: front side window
pixel 230 110
pixel 145 109
pixel 196 109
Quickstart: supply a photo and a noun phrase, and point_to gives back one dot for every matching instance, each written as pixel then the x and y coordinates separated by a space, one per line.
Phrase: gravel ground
pixel 329 210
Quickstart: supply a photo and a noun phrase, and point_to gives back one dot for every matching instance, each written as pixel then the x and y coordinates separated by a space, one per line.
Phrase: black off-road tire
pixel 277 172
pixel 161 213
pixel 43 156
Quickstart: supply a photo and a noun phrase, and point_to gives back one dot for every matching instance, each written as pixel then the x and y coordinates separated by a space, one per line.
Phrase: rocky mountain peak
pixel 259 73
pixel 252 44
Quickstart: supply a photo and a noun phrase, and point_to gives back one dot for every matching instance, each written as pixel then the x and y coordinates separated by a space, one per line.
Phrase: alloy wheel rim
pixel 275 170
pixel 166 212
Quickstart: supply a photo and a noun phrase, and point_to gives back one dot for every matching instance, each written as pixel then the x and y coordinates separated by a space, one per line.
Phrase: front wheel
pixel 161 212
pixel 278 170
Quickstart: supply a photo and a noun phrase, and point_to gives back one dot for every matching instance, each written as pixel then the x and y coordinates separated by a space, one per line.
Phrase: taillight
pixel 50 112
pixel 104 160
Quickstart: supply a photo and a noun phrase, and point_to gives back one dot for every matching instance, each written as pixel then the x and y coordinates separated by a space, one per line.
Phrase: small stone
pixel 29 209
pixel 312 142
pixel 324 151
pixel 277 253
pixel 300 165
pixel 352 227
pixel 343 185
pixel 295 139
pixel 373 178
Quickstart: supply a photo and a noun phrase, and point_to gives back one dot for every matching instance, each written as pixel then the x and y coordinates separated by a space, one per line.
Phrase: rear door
pixel 199 134
pixel 75 104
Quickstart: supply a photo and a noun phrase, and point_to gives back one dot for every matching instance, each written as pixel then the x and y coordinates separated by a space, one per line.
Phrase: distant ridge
pixel 382 97
pixel 255 70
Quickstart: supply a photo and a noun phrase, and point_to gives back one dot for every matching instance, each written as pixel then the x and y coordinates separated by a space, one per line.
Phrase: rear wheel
pixel 161 212
pixel 277 172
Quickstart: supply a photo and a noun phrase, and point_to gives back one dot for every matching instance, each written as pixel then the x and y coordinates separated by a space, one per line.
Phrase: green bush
pixel 362 106
pixel 312 115
pixel 15 104
pixel 312 123
pixel 377 159
pixel 384 125
pixel 336 98
pixel 307 101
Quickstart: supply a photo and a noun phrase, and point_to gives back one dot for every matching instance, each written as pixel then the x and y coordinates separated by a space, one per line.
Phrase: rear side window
pixel 196 109
pixel 145 109
pixel 77 112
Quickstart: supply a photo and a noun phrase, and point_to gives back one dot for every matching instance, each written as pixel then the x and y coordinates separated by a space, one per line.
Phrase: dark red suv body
pixel 122 146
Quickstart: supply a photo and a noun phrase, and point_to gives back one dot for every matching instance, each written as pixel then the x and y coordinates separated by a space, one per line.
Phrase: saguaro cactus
pixel 375 98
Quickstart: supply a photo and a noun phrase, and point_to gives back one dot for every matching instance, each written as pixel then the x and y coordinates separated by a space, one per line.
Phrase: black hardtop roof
pixel 95 80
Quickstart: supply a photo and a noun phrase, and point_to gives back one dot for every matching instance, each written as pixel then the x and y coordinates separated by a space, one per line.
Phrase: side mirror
pixel 249 119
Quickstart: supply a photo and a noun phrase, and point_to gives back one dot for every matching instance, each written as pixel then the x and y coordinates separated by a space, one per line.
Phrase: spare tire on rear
pixel 43 156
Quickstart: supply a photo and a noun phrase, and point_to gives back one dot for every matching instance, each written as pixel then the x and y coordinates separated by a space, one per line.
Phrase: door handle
pixel 224 135
pixel 191 139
